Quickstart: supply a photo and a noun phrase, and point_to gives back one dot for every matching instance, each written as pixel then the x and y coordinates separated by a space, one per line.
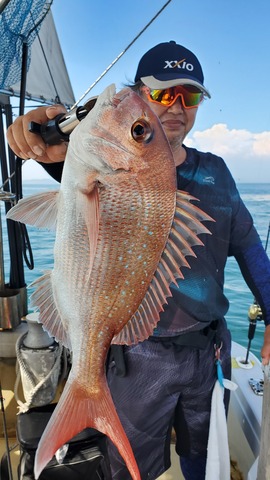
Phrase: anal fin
pixel 49 316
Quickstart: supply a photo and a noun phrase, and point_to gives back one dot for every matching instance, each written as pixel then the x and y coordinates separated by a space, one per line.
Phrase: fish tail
pixel 75 412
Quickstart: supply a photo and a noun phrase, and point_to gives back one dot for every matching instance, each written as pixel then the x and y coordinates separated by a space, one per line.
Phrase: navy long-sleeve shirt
pixel 199 298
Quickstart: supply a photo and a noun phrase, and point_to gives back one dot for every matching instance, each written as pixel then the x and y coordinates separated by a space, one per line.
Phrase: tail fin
pixel 75 412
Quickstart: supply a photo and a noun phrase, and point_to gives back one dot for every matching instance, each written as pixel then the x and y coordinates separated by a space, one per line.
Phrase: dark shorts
pixel 166 385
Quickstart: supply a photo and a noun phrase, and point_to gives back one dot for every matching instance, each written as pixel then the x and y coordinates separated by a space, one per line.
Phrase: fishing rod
pixel 255 312
pixel 121 54
pixel 53 132
pixel 58 130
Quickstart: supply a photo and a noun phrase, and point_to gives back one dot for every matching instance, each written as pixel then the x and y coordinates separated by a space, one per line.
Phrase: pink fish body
pixel 122 234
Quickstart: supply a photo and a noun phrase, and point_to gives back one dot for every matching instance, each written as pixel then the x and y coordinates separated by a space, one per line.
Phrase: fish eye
pixel 141 131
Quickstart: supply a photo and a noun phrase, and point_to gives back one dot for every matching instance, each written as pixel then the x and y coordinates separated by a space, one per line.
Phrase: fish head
pixel 121 134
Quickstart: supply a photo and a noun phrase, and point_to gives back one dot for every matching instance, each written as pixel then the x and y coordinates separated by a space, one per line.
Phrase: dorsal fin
pixel 186 226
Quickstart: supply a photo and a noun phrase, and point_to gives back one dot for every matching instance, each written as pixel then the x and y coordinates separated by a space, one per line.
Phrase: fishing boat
pixel 245 413
pixel 244 420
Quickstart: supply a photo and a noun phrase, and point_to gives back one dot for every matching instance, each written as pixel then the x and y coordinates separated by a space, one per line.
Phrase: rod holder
pixel 13 305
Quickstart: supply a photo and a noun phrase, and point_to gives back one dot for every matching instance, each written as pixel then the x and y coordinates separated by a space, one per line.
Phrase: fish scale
pixel 122 234
pixel 124 261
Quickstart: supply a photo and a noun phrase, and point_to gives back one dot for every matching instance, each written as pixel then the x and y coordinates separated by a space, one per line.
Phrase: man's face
pixel 176 120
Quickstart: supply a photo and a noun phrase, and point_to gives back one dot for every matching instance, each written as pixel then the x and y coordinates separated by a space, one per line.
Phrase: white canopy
pixel 47 78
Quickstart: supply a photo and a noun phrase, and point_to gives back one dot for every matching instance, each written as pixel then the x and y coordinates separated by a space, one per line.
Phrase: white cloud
pixel 262 144
pixel 247 154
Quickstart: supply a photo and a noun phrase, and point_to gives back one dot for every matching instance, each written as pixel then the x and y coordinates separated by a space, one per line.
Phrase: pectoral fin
pixel 38 210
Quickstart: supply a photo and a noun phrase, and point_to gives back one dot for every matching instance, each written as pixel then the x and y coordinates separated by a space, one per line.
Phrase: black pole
pixel 23 76
pixel 17 279
pixel 267 237
pixel 12 228
pixel 18 169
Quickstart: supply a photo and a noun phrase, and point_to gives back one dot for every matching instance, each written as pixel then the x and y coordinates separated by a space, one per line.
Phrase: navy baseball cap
pixel 169 64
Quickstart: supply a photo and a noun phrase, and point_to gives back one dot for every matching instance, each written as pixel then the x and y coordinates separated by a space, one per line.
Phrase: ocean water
pixel 257 200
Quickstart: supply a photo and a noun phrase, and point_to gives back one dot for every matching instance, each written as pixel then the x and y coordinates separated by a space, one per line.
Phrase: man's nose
pixel 177 105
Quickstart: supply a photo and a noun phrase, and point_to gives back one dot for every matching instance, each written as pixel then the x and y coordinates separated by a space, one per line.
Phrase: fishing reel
pixel 254 314
pixel 59 128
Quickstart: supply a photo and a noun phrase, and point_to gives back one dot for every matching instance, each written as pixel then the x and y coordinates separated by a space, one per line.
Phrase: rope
pixel 44 55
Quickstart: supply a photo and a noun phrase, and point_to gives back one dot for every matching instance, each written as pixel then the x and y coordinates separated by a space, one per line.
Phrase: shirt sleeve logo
pixel 209 180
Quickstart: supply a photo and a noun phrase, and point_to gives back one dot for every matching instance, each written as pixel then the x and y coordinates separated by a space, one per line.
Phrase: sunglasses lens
pixel 191 97
pixel 162 96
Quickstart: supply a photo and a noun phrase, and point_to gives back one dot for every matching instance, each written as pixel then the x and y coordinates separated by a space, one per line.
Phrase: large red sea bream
pixel 122 234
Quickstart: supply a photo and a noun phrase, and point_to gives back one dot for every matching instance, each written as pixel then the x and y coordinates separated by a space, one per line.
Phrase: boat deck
pixel 243 436
pixel 7 375
pixel 172 474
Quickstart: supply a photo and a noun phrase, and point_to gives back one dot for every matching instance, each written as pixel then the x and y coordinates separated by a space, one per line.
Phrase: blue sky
pixel 231 39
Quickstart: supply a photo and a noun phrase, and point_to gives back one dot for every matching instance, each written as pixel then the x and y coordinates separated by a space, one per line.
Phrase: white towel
pixel 218 456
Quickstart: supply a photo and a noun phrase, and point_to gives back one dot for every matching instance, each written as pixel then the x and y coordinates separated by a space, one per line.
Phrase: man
pixel 168 379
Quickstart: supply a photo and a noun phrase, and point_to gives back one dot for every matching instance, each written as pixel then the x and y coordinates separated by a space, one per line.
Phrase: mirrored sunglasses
pixel 191 96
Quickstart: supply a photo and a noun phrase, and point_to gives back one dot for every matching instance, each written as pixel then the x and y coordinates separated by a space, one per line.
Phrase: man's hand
pixel 265 351
pixel 29 145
